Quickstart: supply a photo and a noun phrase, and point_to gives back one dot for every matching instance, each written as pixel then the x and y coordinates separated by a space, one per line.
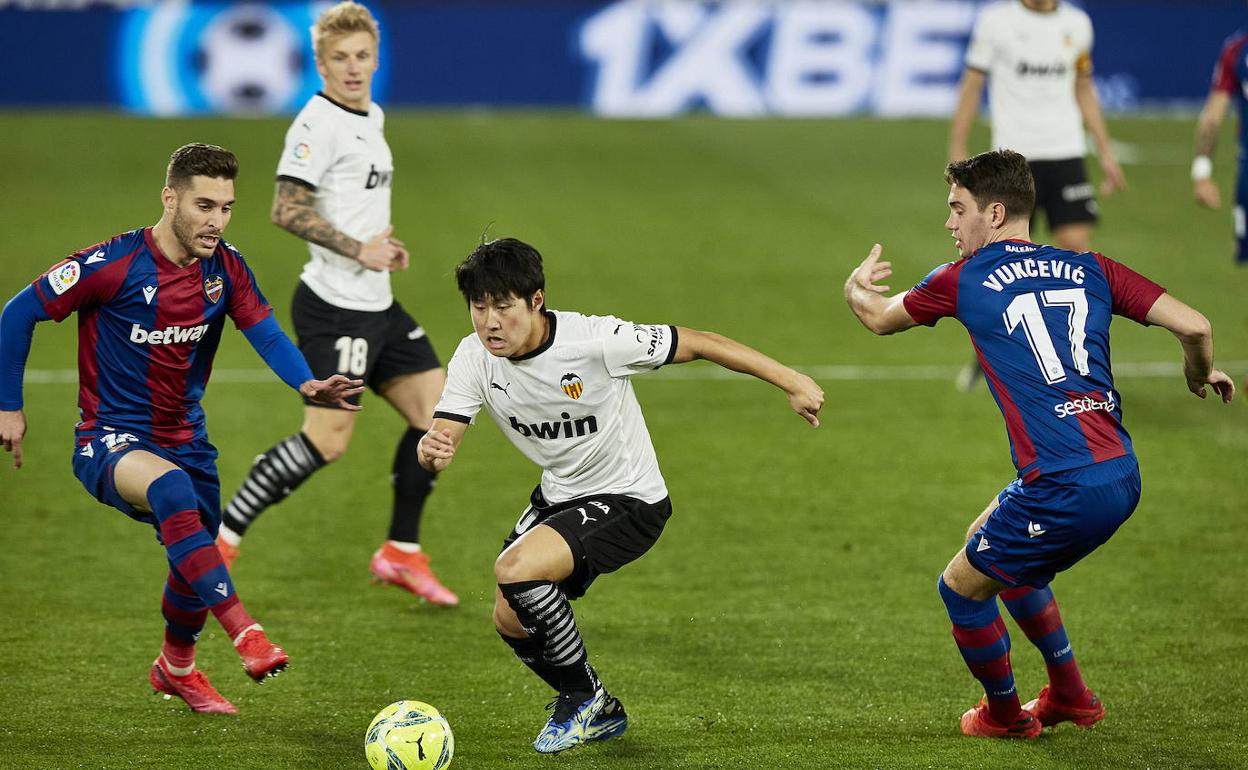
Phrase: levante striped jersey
pixel 148 330
pixel 1039 320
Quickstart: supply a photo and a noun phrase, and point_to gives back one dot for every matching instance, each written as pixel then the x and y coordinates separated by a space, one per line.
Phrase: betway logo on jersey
pixel 568 428
pixel 170 335
pixel 1086 404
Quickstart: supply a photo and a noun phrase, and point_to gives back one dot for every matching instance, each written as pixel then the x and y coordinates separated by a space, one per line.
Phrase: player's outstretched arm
pixel 1196 336
pixel 880 314
pixel 805 396
pixel 437 447
pixel 294 210
pixel 1207 129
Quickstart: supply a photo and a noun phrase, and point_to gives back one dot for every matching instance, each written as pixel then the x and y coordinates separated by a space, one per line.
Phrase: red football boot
pixel 194 688
pixel 979 723
pixel 1051 711
pixel 228 553
pixel 261 658
pixel 410 571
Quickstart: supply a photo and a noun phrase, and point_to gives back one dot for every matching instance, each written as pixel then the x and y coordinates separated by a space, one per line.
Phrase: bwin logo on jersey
pixel 572 385
pixel 569 428
pixel 377 178
pixel 170 335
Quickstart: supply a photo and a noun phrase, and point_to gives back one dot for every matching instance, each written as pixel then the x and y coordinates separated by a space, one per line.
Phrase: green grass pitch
pixel 788 618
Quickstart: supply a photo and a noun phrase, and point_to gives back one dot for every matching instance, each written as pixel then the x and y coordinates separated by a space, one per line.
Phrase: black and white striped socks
pixel 546 614
pixel 274 475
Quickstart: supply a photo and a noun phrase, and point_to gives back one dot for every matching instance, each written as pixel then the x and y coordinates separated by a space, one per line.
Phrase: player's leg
pixel 1066 697
pixel 401 559
pixel 969 596
pixel 334 341
pixel 282 468
pixel 151 483
pixel 529 574
pixel 1072 513
pixel 1070 204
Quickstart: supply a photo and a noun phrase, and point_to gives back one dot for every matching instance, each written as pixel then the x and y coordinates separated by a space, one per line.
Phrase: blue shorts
pixel 1047 525
pixel 95 460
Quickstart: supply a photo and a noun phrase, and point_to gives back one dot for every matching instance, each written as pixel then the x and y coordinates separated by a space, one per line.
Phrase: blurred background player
pixel 1230 77
pixel 1039 319
pixel 333 190
pixel 151 305
pixel 557 385
pixel 1037 58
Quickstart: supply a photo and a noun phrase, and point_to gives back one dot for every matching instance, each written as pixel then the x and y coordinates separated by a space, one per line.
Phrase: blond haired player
pixel 333 191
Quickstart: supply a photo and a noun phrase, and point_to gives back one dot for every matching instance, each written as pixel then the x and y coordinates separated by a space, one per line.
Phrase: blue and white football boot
pixel 571 722
pixel 610 722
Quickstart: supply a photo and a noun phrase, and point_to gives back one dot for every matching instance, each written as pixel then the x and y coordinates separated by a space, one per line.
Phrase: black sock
pixel 529 651
pixel 274 475
pixel 412 484
pixel 546 614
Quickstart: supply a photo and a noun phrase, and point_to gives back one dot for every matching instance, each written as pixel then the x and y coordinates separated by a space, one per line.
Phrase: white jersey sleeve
pixel 980 53
pixel 464 393
pixel 309 150
pixel 629 348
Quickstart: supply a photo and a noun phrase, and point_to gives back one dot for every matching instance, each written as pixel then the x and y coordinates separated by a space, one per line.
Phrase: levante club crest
pixel 572 385
pixel 213 285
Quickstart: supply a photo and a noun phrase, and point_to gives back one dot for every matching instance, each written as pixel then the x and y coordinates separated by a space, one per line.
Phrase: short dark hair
pixel 998 175
pixel 498 269
pixel 200 160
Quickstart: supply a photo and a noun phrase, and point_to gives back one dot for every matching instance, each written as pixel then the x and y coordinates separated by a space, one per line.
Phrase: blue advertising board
pixel 628 58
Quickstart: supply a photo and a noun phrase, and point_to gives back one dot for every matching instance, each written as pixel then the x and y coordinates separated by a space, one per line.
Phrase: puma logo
pixel 496 386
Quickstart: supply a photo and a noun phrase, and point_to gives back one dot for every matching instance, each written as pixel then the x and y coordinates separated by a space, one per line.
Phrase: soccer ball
pixel 409 735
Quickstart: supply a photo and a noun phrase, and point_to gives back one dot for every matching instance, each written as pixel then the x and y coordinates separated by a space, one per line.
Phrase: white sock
pixel 177 670
pixel 404 547
pixel 229 536
pixel 238 639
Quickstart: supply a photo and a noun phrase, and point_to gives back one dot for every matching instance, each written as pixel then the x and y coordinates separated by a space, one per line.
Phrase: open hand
pixel 1223 385
pixel 334 391
pixel 868 272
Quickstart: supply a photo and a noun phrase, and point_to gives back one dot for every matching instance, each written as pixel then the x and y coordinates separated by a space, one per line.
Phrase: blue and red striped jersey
pixel 148 330
pixel 1039 318
pixel 1230 76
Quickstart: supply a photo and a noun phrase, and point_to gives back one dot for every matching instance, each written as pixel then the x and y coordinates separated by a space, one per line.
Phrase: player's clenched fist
pixel 806 398
pixel 435 450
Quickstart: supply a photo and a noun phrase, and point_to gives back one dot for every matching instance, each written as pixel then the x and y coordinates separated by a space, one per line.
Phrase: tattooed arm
pixel 294 210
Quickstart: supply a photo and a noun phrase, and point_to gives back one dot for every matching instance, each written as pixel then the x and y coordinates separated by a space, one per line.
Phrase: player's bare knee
pixel 511 566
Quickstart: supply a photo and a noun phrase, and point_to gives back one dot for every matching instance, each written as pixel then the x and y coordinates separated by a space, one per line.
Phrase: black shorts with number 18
pixel 373 346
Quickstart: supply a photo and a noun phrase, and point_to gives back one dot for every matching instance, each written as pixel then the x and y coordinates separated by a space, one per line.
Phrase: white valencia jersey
pixel 1032 59
pixel 342 154
pixel 569 405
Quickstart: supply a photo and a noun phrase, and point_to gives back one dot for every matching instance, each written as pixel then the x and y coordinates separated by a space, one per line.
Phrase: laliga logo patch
pixel 572 385
pixel 302 151
pixel 63 277
pixel 213 286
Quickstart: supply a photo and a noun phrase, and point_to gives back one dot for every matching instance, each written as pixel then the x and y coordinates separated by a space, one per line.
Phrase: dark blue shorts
pixel 1047 525
pixel 95 459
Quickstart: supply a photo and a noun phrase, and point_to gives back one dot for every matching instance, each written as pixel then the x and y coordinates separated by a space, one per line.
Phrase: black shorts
pixel 1063 192
pixel 372 346
pixel 605 532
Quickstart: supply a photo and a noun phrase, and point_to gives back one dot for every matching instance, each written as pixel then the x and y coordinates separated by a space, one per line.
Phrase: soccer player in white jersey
pixel 557 385
pixel 1036 56
pixel 333 191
